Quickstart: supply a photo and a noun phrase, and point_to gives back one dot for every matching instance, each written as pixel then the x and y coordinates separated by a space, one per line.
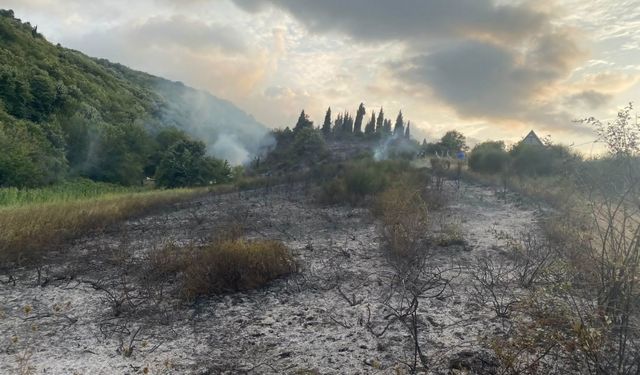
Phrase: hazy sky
pixel 491 69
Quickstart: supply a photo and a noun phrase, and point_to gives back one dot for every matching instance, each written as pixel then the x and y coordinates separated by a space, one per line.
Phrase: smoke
pixel 395 146
pixel 228 148
pixel 228 132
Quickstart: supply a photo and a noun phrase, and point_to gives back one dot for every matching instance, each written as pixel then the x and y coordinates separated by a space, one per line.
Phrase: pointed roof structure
pixel 532 139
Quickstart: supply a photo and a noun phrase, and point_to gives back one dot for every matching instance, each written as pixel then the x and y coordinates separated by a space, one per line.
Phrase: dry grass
pixel 405 220
pixel 232 265
pixel 29 232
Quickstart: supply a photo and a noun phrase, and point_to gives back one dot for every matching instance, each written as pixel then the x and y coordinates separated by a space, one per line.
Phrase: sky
pixel 492 69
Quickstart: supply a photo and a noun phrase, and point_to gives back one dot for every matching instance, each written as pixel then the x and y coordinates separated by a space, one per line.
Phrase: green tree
pixel 370 129
pixel 398 129
pixel 347 124
pixel 303 122
pixel 357 126
pixel 454 141
pixel 380 122
pixel 326 125
pixel 186 164
pixel 407 133
pixel 337 127
pixel 386 128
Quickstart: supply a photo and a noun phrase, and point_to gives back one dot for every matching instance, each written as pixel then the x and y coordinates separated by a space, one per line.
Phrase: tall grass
pixel 63 192
pixel 29 231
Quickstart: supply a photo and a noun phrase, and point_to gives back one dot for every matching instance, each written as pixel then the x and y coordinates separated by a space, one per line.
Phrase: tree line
pixel 345 125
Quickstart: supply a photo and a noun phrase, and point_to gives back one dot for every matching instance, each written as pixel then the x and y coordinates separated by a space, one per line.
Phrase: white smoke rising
pixel 227 147
pixel 228 132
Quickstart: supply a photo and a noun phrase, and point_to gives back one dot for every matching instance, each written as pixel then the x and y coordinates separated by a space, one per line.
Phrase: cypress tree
pixel 357 127
pixel 387 127
pixel 398 130
pixel 407 133
pixel 337 127
pixel 303 122
pixel 380 122
pixel 370 129
pixel 326 125
pixel 347 124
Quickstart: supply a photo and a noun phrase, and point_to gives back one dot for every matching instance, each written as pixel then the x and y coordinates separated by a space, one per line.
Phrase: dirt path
pixel 314 321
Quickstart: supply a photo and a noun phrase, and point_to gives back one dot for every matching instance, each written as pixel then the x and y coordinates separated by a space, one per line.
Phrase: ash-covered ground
pixel 95 310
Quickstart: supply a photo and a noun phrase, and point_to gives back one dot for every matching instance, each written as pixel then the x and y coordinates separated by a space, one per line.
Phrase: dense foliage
pixel 489 157
pixel 63 114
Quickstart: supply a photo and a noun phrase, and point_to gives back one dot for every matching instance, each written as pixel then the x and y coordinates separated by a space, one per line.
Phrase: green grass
pixel 68 191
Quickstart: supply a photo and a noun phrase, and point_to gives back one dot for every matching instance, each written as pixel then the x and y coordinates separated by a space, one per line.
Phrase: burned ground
pixel 98 309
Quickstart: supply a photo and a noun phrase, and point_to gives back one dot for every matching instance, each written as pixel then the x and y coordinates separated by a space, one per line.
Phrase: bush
pixel 234 265
pixel 404 216
pixel 186 164
pixel 489 157
pixel 355 181
pixel 532 160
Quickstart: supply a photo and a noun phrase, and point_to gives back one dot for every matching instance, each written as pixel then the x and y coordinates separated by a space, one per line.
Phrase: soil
pixel 323 319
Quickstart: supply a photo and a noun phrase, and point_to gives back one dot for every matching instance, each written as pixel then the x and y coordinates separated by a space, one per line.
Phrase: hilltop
pixel 63 113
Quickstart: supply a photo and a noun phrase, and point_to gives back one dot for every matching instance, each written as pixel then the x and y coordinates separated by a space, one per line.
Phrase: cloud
pixel 590 99
pixel 376 20
pixel 482 59
pixel 187 33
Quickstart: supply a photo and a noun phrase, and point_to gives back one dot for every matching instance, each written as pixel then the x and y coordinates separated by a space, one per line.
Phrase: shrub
pixel 235 265
pixel 404 216
pixel 532 160
pixel 186 164
pixel 489 157
pixel 353 182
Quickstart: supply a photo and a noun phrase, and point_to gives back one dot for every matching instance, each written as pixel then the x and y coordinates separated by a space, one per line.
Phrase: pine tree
pixel 407 133
pixel 398 130
pixel 326 126
pixel 303 122
pixel 370 129
pixel 357 127
pixel 380 122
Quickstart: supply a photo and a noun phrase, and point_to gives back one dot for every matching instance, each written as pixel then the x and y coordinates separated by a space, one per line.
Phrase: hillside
pixel 64 114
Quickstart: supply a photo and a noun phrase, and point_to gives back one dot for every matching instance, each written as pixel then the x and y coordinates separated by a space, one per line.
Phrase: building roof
pixel 532 139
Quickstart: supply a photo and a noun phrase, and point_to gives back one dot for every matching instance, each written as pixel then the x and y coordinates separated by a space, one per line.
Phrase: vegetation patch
pixel 224 266
pixel 29 232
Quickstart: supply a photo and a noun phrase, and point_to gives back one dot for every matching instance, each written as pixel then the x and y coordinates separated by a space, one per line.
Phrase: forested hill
pixel 64 114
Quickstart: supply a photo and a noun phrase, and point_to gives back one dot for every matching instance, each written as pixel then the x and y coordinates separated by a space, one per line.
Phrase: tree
pixel 357 127
pixel 186 164
pixel 380 122
pixel 326 125
pixel 303 122
pixel 454 141
pixel 370 129
pixel 398 129
pixel 337 127
pixel 347 124
pixel 386 128
pixel 407 133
